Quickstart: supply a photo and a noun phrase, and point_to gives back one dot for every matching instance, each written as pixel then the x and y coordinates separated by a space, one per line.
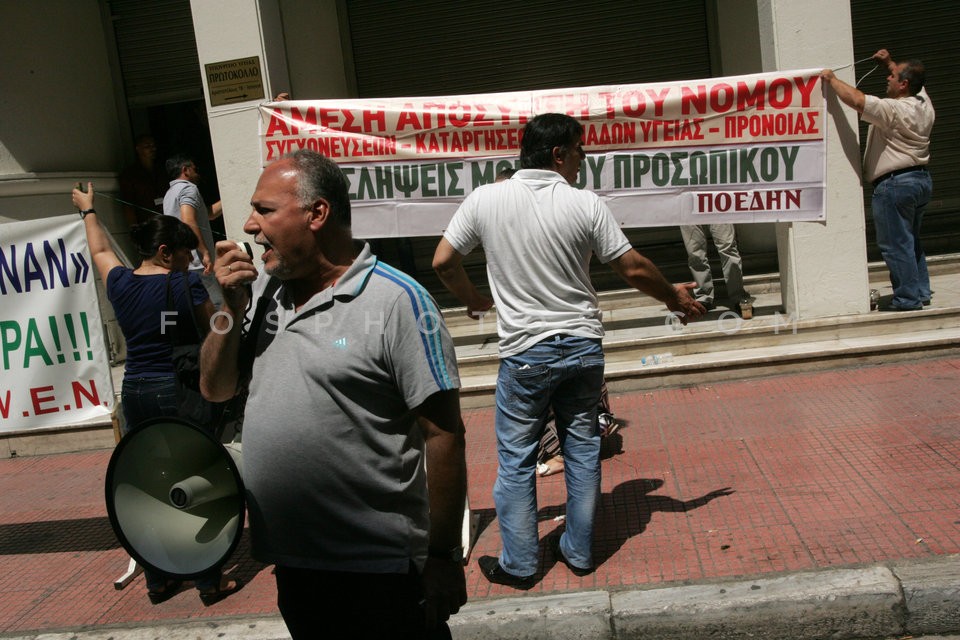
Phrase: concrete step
pixel 648 359
pixel 644 350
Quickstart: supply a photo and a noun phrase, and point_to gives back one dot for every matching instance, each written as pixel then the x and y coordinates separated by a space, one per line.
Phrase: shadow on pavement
pixel 633 496
pixel 55 536
pixel 241 563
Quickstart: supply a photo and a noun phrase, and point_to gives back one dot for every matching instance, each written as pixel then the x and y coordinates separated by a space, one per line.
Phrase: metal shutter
pixel 438 47
pixel 924 29
pixel 157 50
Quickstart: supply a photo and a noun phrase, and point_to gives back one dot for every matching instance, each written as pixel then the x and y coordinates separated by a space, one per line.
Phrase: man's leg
pixel 695 241
pixel 523 396
pixel 575 403
pixel 924 186
pixel 894 210
pixel 725 237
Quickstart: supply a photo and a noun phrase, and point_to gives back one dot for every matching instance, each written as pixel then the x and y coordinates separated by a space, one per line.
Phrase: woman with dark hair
pixel 154 303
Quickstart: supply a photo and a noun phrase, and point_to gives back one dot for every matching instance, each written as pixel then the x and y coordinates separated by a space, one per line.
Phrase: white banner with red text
pixel 736 149
pixel 55 365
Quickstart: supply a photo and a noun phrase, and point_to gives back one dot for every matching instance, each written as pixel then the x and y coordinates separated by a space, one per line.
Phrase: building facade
pixel 83 78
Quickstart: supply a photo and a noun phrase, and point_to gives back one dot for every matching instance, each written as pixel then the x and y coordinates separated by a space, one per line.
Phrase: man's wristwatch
pixel 84 212
pixel 454 554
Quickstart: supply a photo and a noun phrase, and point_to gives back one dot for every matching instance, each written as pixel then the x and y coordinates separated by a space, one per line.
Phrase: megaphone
pixel 175 498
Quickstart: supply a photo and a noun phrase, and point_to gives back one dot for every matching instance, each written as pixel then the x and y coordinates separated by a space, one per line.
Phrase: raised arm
pixel 848 94
pixel 219 361
pixel 883 57
pixel 641 274
pixel 104 258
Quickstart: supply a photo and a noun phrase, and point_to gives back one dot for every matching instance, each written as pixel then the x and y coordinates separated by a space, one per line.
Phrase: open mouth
pixel 267 248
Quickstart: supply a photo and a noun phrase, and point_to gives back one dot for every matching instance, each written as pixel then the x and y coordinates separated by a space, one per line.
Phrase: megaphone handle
pixel 132 570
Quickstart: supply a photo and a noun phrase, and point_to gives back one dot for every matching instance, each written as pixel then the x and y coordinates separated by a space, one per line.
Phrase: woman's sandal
pixel 170 589
pixel 212 597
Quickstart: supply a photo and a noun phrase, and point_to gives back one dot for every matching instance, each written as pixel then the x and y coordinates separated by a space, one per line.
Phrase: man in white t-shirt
pixel 895 161
pixel 538 233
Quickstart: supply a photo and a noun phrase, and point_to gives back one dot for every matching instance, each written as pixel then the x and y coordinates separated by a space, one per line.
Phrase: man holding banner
pixel 895 160
pixel 539 233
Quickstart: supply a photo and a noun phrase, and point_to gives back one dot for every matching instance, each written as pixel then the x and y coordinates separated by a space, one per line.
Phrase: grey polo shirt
pixel 185 192
pixel 333 457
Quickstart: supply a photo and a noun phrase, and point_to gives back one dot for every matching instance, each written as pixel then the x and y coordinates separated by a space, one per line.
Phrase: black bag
pixel 186 363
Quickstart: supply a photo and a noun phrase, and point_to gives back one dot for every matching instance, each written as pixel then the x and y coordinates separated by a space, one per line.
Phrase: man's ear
pixel 319 214
pixel 557 155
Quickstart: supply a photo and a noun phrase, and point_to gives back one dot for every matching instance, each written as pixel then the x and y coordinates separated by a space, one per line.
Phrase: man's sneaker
pixel 889 306
pixel 492 571
pixel 558 554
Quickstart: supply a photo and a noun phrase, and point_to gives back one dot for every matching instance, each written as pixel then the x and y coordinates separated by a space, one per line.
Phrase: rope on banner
pixel 856 63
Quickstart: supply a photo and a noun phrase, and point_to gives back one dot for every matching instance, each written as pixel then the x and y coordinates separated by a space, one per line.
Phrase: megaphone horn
pixel 175 498
pixel 211 484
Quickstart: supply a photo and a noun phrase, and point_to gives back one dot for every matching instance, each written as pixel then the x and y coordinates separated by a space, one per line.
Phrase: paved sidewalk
pixel 831 495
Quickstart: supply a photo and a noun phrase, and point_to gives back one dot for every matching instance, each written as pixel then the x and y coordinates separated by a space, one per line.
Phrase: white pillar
pixel 236 29
pixel 231 30
pixel 823 267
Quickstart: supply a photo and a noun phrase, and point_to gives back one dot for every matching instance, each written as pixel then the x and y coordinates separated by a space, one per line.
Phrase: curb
pixel 903 598
pixel 260 628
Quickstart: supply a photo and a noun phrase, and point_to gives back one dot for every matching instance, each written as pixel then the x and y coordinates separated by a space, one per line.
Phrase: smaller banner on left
pixel 55 369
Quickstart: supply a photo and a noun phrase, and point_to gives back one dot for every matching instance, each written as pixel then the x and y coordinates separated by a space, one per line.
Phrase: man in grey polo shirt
pixel 354 386
pixel 184 202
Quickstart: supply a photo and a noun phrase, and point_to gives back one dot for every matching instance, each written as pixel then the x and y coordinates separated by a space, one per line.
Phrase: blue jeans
pixel 898 205
pixel 567 373
pixel 148 397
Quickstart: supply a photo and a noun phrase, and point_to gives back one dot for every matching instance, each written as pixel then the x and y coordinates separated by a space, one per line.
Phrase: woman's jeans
pixel 148 397
pixel 153 397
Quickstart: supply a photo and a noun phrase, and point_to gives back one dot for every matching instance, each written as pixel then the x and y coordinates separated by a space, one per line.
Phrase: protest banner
pixel 735 149
pixel 55 365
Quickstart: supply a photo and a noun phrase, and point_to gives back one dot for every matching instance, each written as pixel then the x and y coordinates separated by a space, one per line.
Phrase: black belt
pixel 896 172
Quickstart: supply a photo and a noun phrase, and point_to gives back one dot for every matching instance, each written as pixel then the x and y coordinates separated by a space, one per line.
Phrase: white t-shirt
pixel 899 134
pixel 539 233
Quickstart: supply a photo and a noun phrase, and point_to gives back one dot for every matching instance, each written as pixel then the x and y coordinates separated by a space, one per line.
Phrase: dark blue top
pixel 139 303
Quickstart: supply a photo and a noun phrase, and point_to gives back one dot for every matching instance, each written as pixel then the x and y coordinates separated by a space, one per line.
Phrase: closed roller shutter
pixel 157 49
pixel 438 47
pixel 924 29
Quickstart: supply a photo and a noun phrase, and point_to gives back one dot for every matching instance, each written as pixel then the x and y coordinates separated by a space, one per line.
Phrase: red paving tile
pixel 739 478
